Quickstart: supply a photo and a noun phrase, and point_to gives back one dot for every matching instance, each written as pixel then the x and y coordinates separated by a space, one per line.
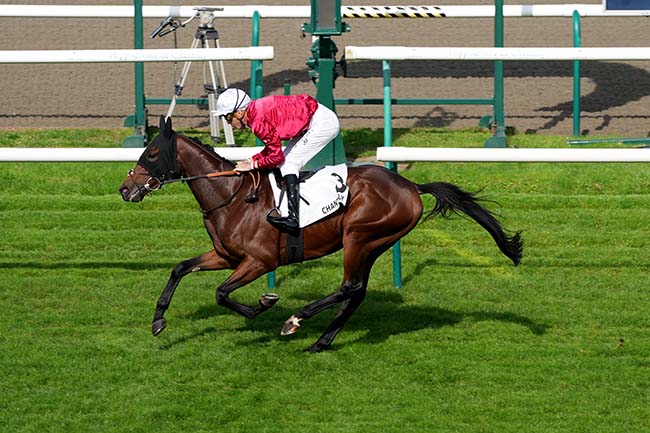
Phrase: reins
pixel 249 198
pixel 205 176
pixel 255 176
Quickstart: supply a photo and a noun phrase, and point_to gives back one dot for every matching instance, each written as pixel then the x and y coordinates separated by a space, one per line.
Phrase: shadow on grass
pixel 131 266
pixel 381 316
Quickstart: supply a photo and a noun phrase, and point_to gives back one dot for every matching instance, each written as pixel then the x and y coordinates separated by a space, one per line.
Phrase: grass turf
pixel 471 344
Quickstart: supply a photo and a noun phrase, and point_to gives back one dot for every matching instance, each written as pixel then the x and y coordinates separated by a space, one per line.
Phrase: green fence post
pixel 576 76
pixel 257 91
pixel 388 142
pixel 498 138
pixel 138 121
pixel 256 65
pixel 325 22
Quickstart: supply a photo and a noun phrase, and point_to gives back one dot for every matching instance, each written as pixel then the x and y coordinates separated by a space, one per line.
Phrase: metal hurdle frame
pixel 138 11
pixel 391 157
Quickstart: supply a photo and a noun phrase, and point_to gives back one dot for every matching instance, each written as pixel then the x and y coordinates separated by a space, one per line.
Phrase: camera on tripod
pixel 214 74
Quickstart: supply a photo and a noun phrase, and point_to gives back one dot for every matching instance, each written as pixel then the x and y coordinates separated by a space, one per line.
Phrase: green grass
pixel 471 344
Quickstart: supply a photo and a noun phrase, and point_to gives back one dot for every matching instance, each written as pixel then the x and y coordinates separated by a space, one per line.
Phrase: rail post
pixel 576 75
pixel 388 142
pixel 325 22
pixel 498 138
pixel 138 121
pixel 256 65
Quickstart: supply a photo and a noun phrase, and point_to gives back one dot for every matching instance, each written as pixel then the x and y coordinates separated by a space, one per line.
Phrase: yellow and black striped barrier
pixel 392 12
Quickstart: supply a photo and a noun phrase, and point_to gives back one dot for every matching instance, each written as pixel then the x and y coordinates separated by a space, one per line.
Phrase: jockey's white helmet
pixel 231 100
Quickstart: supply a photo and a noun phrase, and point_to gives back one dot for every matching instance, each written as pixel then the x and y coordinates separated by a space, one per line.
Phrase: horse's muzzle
pixel 131 195
pixel 125 193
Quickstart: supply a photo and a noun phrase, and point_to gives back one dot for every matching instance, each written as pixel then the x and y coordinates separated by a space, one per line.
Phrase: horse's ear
pixel 168 128
pixel 162 123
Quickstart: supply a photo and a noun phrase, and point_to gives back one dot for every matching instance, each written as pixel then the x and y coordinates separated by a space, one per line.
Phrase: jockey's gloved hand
pixel 246 165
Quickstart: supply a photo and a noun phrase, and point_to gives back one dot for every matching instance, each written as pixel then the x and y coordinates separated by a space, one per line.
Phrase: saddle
pixel 303 176
pixel 322 193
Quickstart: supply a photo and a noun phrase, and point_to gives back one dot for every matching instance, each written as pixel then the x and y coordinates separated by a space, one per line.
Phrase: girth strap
pixel 295 247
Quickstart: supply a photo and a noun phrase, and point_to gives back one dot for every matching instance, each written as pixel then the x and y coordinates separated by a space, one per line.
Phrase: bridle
pixel 164 171
pixel 154 184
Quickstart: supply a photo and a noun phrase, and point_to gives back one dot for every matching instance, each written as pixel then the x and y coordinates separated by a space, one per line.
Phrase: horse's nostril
pixel 124 191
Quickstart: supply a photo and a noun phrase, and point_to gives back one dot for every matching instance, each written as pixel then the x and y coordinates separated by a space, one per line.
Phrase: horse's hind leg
pixel 359 255
pixel 351 294
pixel 347 309
pixel 205 262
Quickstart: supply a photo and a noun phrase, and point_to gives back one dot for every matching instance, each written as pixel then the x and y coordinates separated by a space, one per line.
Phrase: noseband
pixel 148 187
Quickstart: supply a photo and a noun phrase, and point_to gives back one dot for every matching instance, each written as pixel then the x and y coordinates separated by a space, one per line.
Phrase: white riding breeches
pixel 323 128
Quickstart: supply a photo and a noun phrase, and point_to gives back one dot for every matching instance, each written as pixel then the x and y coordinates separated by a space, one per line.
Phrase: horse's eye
pixel 153 153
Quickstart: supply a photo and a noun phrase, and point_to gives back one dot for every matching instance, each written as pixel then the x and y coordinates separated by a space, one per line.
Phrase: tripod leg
pixel 221 72
pixel 178 89
pixel 211 83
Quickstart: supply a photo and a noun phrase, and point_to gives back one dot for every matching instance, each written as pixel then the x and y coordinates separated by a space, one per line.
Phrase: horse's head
pixel 156 165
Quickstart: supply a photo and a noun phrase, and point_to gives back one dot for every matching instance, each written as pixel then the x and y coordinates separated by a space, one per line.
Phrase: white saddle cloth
pixel 320 195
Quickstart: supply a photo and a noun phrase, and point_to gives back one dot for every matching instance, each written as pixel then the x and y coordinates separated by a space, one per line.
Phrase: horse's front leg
pixel 247 271
pixel 205 262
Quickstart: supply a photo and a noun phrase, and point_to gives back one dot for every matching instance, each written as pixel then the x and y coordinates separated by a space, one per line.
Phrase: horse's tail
pixel 450 198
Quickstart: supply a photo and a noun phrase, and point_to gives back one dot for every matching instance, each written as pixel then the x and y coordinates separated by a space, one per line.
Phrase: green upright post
pixel 498 138
pixel 138 121
pixel 256 88
pixel 257 91
pixel 256 65
pixel 576 76
pixel 388 142
pixel 325 22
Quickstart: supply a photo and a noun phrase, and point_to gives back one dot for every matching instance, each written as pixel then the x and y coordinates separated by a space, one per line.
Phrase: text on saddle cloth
pixel 322 194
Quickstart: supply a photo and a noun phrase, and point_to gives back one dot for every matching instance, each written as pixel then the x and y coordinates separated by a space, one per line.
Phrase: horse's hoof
pixel 158 326
pixel 315 348
pixel 268 300
pixel 291 326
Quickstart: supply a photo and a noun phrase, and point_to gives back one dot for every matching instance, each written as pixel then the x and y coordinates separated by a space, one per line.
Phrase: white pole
pixel 60 11
pixel 104 154
pixel 457 11
pixel 408 154
pixel 486 53
pixel 128 56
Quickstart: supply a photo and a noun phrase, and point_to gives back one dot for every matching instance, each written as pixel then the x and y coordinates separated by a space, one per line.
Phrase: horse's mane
pixel 207 148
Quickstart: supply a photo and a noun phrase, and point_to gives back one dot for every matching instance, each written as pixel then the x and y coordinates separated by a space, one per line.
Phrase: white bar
pixel 458 11
pixel 129 56
pixel 51 11
pixel 104 154
pixel 485 53
pixel 407 154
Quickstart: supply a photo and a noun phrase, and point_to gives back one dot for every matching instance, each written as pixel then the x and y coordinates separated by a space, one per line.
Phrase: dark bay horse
pixel 382 208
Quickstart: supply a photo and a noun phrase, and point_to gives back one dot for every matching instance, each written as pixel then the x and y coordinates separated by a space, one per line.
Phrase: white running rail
pixel 487 53
pixel 440 154
pixel 103 154
pixel 130 56
pixel 457 11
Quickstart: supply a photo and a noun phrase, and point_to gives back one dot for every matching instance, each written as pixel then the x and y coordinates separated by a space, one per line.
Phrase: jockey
pixel 308 126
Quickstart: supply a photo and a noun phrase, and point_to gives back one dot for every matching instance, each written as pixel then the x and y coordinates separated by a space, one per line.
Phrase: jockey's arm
pixel 270 157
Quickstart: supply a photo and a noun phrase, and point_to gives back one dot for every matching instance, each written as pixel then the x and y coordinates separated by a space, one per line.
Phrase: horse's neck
pixel 197 162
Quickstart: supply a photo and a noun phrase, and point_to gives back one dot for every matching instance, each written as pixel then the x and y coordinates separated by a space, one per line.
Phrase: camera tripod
pixel 214 73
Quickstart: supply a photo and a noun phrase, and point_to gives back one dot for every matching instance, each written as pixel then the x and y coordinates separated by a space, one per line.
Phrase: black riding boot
pixel 289 223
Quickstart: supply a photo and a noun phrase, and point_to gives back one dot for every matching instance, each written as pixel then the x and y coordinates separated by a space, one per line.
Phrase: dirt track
pixel 615 96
